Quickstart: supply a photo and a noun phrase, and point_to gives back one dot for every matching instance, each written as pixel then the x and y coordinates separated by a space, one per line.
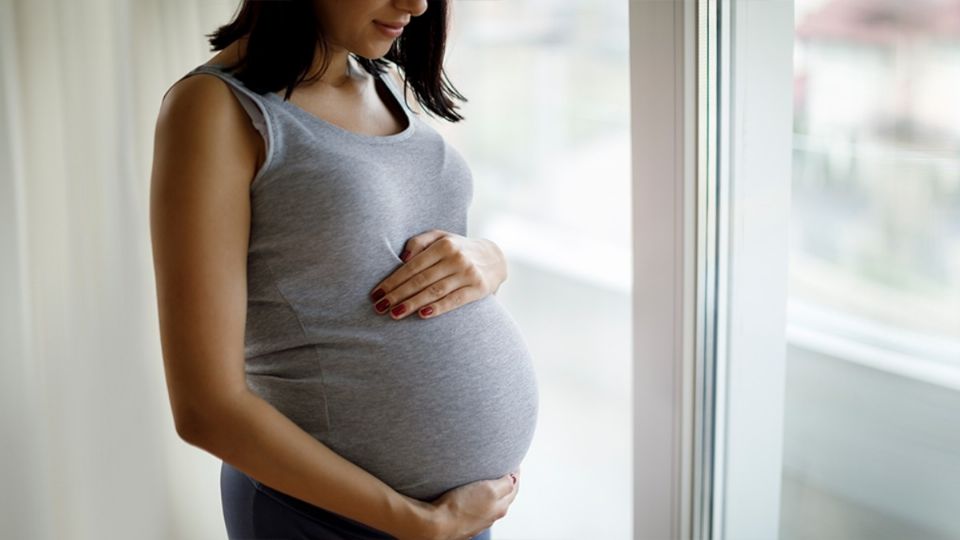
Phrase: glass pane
pixel 547 138
pixel 871 448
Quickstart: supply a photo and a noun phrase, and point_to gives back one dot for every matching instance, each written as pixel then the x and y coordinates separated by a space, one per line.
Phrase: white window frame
pixel 663 128
pixel 757 127
pixel 710 265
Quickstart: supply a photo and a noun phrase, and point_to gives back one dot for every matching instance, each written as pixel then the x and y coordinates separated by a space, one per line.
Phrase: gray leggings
pixel 254 511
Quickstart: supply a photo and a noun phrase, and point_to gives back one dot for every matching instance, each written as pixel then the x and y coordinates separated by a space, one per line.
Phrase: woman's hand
pixel 441 271
pixel 466 510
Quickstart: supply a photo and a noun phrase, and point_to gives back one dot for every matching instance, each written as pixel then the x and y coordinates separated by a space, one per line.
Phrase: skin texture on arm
pixel 206 152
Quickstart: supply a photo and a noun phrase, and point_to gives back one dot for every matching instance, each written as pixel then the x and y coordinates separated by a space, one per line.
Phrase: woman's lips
pixel 389 30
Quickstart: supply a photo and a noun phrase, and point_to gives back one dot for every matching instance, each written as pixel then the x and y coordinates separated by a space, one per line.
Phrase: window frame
pixel 710 223
pixel 756 134
pixel 663 150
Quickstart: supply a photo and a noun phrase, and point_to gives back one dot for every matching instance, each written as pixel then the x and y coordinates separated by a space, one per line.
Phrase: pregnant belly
pixel 427 405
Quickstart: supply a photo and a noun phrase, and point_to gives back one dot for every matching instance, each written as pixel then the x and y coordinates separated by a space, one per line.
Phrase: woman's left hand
pixel 441 271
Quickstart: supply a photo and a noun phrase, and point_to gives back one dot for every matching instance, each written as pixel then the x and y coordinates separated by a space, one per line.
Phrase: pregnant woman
pixel 328 329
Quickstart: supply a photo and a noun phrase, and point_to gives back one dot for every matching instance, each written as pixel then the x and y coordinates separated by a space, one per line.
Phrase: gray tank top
pixel 425 405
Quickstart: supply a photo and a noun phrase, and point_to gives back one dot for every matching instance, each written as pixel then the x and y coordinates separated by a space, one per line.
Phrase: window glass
pixel 871 448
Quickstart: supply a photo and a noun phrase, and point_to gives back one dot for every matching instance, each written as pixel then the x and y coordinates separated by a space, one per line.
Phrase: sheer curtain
pixel 89 449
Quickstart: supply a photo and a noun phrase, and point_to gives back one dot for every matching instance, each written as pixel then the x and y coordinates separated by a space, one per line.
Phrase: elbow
pixel 190 425
pixel 196 422
pixel 203 423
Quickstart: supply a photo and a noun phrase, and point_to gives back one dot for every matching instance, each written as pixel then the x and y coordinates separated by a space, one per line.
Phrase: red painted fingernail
pixel 383 304
pixel 377 294
pixel 399 309
pixel 404 255
pixel 426 311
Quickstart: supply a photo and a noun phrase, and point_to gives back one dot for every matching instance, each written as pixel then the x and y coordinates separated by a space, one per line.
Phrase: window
pixel 873 358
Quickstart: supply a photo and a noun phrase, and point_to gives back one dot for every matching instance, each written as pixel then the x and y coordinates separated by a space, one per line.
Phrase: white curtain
pixel 88 445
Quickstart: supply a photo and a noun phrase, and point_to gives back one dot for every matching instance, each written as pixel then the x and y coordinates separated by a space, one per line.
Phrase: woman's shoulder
pixel 198 87
pixel 199 111
pixel 202 101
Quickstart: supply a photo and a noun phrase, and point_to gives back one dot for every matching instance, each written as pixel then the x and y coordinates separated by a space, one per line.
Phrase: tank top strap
pixel 217 70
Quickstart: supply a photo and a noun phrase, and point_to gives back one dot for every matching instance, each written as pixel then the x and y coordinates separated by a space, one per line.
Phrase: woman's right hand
pixel 463 512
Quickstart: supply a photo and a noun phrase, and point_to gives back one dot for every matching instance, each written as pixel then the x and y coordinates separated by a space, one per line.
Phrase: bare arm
pixel 205 155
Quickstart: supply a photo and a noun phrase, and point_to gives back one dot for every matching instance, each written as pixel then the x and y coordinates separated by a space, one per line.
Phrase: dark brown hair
pixel 283 36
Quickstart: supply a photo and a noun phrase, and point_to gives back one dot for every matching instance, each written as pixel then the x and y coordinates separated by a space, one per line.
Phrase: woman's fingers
pixel 444 272
pixel 404 295
pixel 508 484
pixel 452 300
pixel 420 286
pixel 413 266
pixel 504 502
pixel 429 302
